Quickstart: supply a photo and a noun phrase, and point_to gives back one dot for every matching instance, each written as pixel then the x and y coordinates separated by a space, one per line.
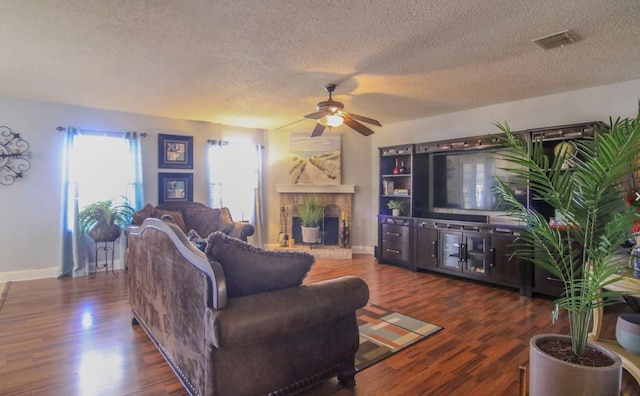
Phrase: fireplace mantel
pixel 311 189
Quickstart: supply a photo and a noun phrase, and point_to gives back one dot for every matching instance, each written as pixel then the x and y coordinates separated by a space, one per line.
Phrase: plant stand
pixel 625 281
pixel 108 248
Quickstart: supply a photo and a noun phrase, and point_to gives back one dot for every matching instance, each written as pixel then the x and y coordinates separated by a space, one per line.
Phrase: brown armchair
pixel 225 332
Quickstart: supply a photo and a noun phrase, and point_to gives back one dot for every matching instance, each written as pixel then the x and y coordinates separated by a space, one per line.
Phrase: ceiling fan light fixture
pixel 331 120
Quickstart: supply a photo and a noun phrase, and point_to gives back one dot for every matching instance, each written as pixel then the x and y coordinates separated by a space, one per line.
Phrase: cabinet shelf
pixel 398 175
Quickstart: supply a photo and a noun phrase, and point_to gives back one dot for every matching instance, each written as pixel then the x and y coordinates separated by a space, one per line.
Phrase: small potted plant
pixel 310 214
pixel 104 220
pixel 396 207
pixel 589 195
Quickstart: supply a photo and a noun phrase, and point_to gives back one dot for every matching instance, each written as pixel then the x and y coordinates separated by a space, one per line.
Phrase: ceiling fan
pixel 330 114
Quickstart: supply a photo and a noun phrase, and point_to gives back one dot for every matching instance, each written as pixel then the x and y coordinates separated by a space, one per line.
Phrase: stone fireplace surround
pixel 335 198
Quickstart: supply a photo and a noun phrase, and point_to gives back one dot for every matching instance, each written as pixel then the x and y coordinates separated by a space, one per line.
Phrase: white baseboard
pixel 51 272
pixel 29 274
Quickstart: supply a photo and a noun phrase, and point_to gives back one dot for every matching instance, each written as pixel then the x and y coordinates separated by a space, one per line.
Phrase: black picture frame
pixel 175 151
pixel 174 187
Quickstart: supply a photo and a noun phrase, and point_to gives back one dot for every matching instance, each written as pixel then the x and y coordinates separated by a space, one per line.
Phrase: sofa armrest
pixel 259 317
pixel 242 230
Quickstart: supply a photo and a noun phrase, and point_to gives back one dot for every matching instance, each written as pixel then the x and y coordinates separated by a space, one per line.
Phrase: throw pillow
pixel 174 216
pixel 197 240
pixel 203 221
pixel 250 270
pixel 142 214
pixel 226 222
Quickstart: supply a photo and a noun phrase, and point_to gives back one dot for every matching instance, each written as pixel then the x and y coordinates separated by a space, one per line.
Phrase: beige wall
pixel 30 208
pixel 591 104
pixel 356 170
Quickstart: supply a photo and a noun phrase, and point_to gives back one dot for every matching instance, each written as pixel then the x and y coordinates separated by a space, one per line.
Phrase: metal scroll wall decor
pixel 14 156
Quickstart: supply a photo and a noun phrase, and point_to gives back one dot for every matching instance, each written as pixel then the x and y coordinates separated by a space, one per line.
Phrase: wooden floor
pixel 74 337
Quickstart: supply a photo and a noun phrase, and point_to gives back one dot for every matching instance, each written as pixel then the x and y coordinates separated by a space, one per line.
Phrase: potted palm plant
pixel 104 220
pixel 310 214
pixel 588 194
pixel 395 206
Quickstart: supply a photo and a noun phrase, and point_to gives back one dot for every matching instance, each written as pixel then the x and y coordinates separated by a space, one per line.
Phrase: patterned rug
pixel 384 332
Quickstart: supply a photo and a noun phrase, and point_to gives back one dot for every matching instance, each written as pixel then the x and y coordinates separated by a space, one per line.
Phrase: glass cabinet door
pixel 475 253
pixel 451 251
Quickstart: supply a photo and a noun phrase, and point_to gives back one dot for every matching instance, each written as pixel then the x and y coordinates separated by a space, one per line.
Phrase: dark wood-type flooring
pixel 74 337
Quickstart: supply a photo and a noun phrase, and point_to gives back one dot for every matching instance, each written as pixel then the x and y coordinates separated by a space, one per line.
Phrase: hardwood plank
pixel 73 336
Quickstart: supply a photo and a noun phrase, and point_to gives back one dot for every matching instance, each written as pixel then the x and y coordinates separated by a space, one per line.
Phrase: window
pixel 102 169
pixel 101 166
pixel 234 178
pixel 97 166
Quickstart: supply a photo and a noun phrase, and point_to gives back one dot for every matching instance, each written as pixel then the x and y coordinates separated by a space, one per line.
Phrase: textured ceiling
pixel 264 63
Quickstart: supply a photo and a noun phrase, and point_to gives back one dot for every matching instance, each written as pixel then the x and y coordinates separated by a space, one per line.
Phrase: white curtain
pixel 235 182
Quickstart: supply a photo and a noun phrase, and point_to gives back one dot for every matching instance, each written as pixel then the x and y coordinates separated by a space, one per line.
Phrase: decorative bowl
pixel 628 332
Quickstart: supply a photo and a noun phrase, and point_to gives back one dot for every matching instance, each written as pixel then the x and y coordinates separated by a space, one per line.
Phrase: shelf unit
pixel 462 243
pixel 396 177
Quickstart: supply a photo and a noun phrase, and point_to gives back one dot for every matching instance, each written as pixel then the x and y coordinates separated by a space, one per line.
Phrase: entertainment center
pixel 452 221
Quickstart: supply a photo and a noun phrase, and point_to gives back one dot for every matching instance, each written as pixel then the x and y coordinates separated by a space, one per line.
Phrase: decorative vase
pixel 396 170
pixel 402 169
pixel 395 212
pixel 549 376
pixel 310 234
pixel 628 332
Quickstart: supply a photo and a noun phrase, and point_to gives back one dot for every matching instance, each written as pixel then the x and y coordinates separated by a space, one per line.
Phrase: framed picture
pixel 175 187
pixel 175 151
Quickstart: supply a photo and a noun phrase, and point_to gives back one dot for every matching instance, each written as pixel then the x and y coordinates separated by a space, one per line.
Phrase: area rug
pixel 384 332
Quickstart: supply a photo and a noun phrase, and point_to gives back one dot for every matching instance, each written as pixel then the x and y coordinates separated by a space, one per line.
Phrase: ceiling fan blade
pixel 317 131
pixel 365 119
pixel 318 114
pixel 357 126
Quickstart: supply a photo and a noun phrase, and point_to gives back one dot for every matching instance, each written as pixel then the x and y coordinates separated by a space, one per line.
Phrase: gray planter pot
pixel 310 234
pixel 549 376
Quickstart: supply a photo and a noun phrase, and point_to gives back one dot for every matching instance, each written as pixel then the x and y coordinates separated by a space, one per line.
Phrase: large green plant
pixel 590 197
pixel 105 213
pixel 311 212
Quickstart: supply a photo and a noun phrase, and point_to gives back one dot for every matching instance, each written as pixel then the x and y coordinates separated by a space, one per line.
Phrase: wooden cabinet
pixel 395 241
pixel 426 245
pixel 464 251
pixel 506 268
pixel 483 252
pixel 544 282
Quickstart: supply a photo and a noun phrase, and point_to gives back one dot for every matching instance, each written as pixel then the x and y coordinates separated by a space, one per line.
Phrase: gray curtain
pixel 258 216
pixel 74 249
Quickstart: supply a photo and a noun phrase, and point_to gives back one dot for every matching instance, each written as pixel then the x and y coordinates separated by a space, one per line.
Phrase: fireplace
pixel 337 202
pixel 329 226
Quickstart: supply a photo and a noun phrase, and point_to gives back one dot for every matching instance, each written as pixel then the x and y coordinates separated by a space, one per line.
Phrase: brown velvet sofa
pixel 196 217
pixel 242 323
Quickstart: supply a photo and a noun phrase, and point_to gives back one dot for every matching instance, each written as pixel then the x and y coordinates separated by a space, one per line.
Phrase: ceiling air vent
pixel 555 40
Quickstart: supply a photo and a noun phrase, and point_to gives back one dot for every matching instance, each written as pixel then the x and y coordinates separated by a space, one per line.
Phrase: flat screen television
pixel 465 181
